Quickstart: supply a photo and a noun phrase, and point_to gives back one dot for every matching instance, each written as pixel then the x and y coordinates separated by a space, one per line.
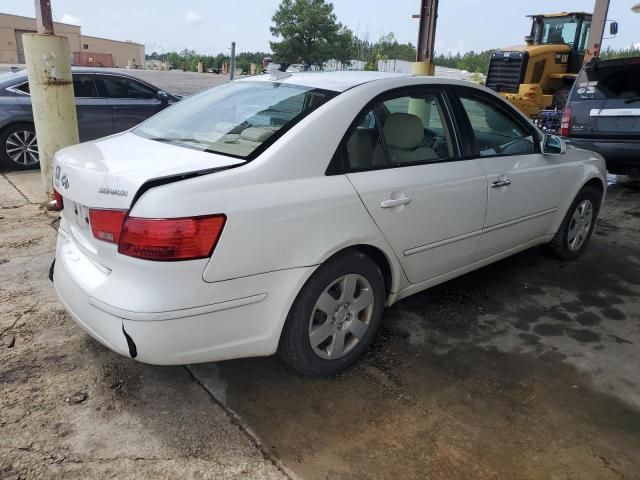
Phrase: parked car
pixel 603 113
pixel 107 102
pixel 207 233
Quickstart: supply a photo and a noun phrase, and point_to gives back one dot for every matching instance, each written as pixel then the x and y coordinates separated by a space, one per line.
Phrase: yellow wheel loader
pixel 538 76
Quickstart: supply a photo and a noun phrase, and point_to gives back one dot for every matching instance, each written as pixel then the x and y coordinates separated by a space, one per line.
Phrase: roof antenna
pixel 276 74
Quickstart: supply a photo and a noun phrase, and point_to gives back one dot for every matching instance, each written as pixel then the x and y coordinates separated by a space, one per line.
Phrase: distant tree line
pixel 188 59
pixel 308 32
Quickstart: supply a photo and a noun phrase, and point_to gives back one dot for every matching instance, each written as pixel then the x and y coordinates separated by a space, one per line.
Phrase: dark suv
pixel 603 113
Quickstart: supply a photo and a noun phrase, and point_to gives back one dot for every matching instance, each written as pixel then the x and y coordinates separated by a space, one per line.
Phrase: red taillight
pixel 565 123
pixel 106 225
pixel 58 198
pixel 171 238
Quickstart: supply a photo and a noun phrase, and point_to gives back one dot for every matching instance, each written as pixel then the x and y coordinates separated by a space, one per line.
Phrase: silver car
pixel 107 102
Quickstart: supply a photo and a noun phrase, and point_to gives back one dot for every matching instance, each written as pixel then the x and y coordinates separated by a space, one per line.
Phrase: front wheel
pixel 19 147
pixel 576 228
pixel 335 316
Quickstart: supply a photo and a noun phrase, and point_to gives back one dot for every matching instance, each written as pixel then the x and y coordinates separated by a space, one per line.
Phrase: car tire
pixel 575 231
pixel 19 147
pixel 342 286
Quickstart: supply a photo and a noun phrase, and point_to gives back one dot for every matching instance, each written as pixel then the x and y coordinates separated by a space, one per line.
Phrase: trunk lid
pixel 108 173
pixel 605 101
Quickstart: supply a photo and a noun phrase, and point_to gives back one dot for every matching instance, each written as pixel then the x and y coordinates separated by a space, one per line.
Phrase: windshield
pixel 559 30
pixel 239 119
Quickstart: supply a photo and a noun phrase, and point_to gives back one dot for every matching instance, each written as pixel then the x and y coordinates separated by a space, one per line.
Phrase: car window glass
pixel 413 130
pixel 83 86
pixel 237 118
pixel 608 82
pixel 362 143
pixel 23 88
pixel 121 87
pixel 495 132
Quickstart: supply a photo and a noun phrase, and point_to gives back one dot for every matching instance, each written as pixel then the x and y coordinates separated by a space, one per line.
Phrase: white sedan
pixel 282 214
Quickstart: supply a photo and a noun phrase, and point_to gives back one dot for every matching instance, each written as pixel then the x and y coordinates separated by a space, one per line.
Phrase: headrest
pixel 256 134
pixel 403 130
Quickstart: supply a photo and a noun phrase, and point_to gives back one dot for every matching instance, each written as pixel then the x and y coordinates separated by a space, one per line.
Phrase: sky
pixel 209 26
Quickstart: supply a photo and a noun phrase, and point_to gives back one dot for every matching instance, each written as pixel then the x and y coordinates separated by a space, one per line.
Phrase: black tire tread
pixel 293 349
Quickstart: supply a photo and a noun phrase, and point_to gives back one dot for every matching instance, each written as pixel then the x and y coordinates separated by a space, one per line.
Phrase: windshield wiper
pixel 632 100
pixel 192 141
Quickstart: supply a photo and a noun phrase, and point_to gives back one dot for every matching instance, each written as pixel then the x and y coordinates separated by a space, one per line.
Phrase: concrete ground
pixel 526 369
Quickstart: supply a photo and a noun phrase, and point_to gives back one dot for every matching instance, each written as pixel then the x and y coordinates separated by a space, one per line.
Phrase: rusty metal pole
pixel 426 38
pixel 598 23
pixel 51 87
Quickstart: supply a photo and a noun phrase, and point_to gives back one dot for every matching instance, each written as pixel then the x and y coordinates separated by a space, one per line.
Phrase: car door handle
pixel 395 202
pixel 501 183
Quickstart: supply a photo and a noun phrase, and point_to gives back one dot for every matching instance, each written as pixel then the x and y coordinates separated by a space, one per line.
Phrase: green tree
pixel 310 33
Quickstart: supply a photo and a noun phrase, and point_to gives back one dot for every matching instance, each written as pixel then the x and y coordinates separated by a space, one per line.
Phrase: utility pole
pixel 598 22
pixel 232 61
pixel 51 87
pixel 426 37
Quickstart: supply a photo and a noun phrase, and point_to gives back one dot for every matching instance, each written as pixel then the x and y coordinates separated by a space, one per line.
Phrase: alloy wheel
pixel 580 225
pixel 341 316
pixel 21 147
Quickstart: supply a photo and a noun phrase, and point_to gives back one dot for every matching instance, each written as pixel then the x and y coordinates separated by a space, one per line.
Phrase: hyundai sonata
pixel 283 213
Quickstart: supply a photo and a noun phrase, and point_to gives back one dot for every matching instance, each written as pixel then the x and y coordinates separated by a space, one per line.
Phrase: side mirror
pixel 553 144
pixel 613 28
pixel 162 95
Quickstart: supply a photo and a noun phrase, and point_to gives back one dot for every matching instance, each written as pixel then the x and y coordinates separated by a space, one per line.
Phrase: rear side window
pixel 605 83
pixel 413 132
pixel 24 88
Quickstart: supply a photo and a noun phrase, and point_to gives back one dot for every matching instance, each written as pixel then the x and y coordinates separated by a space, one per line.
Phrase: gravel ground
pixel 526 369
pixel 71 409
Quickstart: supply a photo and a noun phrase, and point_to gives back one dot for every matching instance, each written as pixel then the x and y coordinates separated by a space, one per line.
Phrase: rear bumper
pixel 621 155
pixel 227 325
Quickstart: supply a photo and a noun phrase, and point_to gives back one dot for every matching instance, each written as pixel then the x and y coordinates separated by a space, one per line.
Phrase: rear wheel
pixel 577 226
pixel 19 147
pixel 335 316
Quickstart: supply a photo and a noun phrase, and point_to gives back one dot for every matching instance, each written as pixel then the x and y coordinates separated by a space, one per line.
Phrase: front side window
pixel 495 132
pixel 111 86
pixel 413 131
pixel 237 119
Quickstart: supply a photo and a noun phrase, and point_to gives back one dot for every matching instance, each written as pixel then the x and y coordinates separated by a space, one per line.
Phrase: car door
pixel 95 119
pixel 131 101
pixel 524 186
pixel 403 159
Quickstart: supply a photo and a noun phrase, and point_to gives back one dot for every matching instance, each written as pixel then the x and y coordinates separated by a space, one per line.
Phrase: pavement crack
pixel 10 182
pixel 237 421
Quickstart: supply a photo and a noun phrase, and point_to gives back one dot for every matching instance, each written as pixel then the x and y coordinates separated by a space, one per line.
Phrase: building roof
pixel 336 81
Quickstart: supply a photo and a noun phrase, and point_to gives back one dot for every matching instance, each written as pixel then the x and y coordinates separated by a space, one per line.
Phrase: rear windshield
pixel 239 119
pixel 619 82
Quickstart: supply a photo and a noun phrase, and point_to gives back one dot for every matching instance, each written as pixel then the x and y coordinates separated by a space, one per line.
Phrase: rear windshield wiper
pixel 632 100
